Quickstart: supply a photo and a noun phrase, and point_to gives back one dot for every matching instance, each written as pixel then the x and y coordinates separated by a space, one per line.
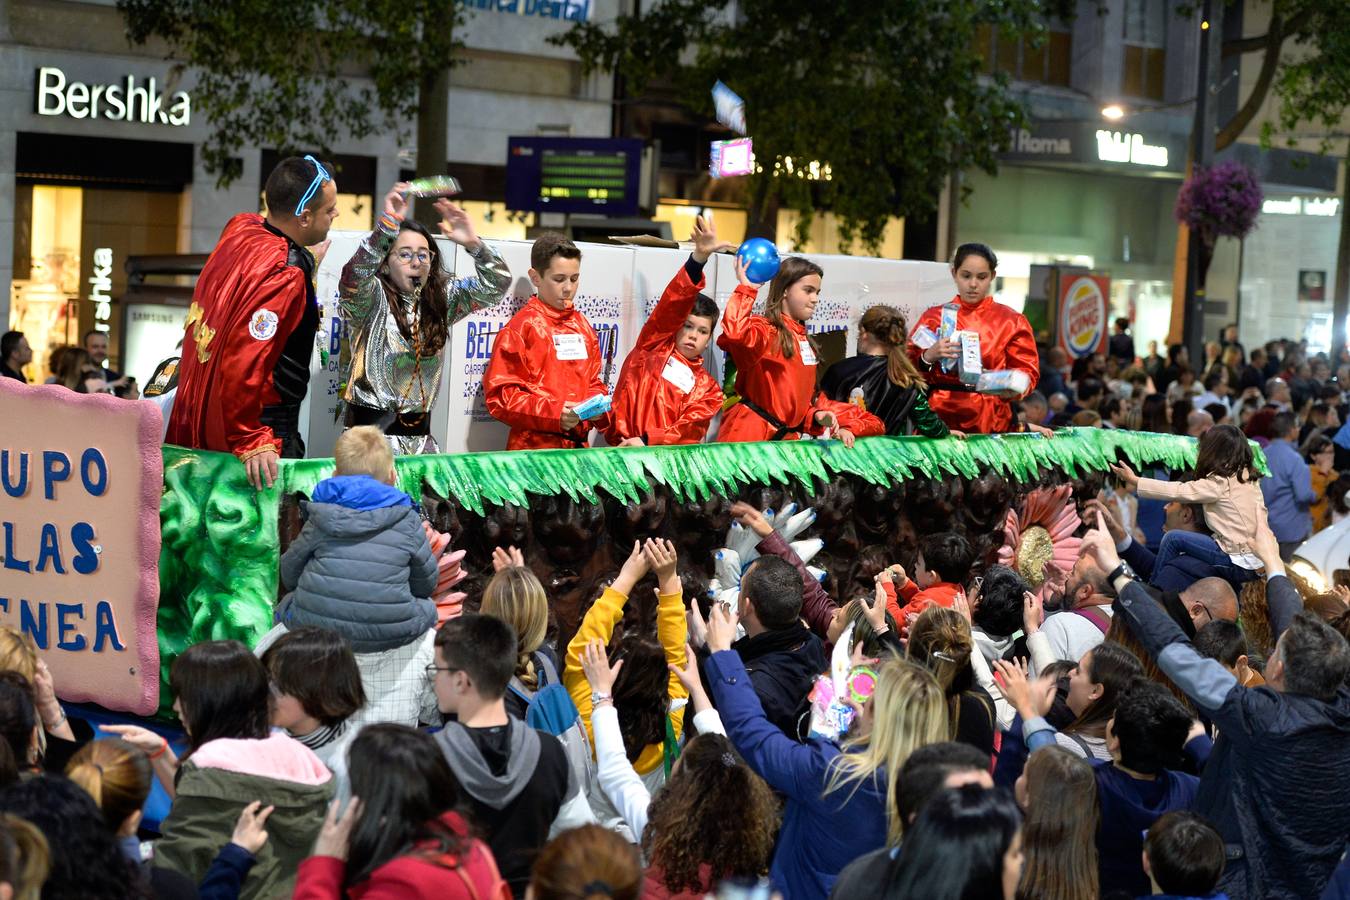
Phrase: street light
pixel 1114 112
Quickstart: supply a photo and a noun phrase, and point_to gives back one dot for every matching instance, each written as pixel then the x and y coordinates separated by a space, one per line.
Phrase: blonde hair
pixel 515 596
pixel 940 641
pixel 887 325
pixel 115 774
pixel 363 450
pixel 792 270
pixel 25 857
pixel 908 712
pixel 18 653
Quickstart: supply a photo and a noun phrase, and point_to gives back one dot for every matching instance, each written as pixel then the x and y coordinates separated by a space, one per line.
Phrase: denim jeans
pixel 1204 548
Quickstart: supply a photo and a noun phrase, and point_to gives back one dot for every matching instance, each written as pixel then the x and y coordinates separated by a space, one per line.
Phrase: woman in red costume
pixel 1006 343
pixel 776 364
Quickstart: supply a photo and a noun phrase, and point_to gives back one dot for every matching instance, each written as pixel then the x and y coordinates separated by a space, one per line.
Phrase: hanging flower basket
pixel 1222 200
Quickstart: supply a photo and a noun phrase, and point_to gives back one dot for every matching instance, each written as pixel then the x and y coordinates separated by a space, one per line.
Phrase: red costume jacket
pixel 1006 342
pixel 253 301
pixel 785 388
pixel 543 358
pixel 662 397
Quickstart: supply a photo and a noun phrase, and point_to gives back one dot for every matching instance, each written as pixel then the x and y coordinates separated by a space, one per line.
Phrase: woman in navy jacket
pixel 839 805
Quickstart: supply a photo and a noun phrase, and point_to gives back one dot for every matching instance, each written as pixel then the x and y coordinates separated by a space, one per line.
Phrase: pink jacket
pixel 1234 510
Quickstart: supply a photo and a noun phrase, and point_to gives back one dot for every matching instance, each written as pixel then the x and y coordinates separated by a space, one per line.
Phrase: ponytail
pixel 116 774
pixel 887 325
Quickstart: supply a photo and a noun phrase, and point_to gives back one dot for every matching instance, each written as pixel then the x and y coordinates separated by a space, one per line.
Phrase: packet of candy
pixel 947 330
pixel 970 365
pixel 730 107
pixel 433 186
pixel 999 380
pixel 592 407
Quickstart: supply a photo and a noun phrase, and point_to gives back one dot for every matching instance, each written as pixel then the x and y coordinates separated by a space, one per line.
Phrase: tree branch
pixel 1274 40
pixel 1238 46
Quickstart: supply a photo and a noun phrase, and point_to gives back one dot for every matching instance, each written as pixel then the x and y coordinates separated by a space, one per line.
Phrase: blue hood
pixel 359 492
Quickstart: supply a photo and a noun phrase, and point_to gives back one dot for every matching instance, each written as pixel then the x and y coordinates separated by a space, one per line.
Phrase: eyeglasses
pixel 320 177
pixel 433 669
pixel 407 256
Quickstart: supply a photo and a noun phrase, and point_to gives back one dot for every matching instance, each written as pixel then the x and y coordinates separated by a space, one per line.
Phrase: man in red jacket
pixel 664 394
pixel 546 361
pixel 252 324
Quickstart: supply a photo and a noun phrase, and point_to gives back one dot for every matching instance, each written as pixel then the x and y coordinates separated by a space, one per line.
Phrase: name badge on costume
pixel 263 325
pixel 678 374
pixel 569 347
pixel 808 352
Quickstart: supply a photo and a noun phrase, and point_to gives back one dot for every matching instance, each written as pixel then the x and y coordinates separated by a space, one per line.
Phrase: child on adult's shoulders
pixel 362 565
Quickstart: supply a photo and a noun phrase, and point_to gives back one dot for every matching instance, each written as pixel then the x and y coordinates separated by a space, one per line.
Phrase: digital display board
pixel 573 175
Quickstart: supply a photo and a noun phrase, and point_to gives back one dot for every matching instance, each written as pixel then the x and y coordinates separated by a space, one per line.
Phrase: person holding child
pixel 1228 485
pixel 665 395
pixel 398 305
pixel 362 565
pixel 546 360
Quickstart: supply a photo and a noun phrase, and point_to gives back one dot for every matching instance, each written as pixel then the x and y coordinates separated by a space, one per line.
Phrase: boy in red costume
pixel 546 361
pixel 664 394
pixel 251 326
pixel 776 364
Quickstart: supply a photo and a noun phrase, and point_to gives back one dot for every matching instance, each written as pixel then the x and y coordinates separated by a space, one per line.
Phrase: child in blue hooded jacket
pixel 362 565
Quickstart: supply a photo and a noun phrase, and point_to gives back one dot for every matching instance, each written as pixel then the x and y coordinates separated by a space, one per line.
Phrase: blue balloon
pixel 760 258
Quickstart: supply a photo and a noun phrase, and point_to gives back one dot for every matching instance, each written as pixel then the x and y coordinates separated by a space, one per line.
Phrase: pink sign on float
pixel 80 482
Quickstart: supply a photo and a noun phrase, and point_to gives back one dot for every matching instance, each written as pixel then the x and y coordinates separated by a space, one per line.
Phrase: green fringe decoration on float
pixel 218 565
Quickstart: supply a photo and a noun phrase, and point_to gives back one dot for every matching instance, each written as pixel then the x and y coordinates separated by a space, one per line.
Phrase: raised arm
pixel 357 290
pixel 1202 490
pixel 788 767
pixel 1205 681
pixel 817 605
pixel 742 330
pixel 598 624
pixel 670 624
pixel 492 279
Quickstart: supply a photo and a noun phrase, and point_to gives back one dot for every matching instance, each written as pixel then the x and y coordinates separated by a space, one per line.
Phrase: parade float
pixel 120 553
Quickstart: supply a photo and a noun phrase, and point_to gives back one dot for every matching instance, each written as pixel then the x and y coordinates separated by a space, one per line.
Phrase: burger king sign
pixel 1082 314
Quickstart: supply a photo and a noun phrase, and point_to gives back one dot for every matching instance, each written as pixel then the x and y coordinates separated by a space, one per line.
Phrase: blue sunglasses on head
pixel 321 176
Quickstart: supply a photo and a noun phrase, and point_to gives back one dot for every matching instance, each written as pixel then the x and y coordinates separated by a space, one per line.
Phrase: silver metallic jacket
pixel 384 372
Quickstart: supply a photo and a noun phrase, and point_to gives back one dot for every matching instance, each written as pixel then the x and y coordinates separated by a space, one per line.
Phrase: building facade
pixel 1080 190
pixel 100 150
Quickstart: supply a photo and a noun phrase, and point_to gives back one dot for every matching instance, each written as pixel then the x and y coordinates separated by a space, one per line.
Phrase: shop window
pixel 1023 59
pixel 70 247
pixel 1145 58
pixel 825 236
pixel 44 301
pixel 730 223
pixel 494 221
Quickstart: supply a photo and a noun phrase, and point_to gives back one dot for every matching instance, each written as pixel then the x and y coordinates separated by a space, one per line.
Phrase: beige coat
pixel 1234 510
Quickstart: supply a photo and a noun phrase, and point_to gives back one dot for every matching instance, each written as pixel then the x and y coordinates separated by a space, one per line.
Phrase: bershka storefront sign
pixel 131 100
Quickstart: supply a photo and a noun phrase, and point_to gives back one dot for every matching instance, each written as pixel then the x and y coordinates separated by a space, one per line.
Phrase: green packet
pixel 433 186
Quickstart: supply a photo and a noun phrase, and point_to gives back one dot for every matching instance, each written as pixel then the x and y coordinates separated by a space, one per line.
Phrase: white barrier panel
pixel 619 287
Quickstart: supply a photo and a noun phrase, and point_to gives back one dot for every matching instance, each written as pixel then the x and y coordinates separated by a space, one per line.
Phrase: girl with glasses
pixel 398 304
